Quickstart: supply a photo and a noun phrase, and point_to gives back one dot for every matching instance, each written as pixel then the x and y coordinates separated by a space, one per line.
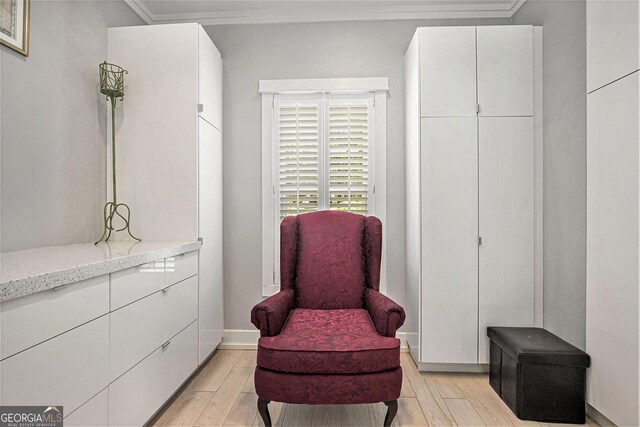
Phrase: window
pixel 324 147
pixel 321 143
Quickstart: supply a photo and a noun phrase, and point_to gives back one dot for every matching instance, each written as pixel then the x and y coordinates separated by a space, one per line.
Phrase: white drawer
pixel 66 370
pixel 32 319
pixel 139 393
pixel 93 413
pixel 134 283
pixel 139 328
pixel 180 267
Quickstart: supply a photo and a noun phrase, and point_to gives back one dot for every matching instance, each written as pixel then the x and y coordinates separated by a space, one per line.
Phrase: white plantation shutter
pixel 298 160
pixel 323 154
pixel 348 153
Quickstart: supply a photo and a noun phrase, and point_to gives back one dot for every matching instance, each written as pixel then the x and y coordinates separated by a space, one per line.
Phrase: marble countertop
pixel 34 270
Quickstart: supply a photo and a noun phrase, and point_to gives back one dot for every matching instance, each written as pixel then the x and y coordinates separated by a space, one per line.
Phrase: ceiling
pixel 214 12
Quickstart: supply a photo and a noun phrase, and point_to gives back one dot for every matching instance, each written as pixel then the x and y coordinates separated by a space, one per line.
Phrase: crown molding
pixel 141 10
pixel 330 14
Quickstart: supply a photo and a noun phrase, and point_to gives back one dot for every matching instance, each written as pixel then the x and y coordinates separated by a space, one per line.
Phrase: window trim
pixel 379 86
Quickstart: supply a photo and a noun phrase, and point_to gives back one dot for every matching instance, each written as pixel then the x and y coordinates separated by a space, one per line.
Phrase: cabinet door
pixel 210 80
pixel 211 317
pixel 612 249
pixel 138 394
pixel 139 328
pixel 506 225
pixel 134 283
pixel 27 321
pixel 505 70
pixel 450 236
pixel 613 40
pixel 68 369
pixel 93 413
pixel 448 71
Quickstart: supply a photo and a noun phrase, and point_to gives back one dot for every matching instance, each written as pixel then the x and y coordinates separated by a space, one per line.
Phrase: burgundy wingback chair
pixel 328 336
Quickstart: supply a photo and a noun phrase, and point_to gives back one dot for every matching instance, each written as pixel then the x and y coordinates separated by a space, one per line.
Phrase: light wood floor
pixel 222 394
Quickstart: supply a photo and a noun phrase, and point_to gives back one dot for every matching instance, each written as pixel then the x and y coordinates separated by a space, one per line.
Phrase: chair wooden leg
pixel 263 410
pixel 392 410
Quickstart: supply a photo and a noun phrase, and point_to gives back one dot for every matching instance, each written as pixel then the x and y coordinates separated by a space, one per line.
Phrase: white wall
pixel 319 50
pixel 565 167
pixel 53 136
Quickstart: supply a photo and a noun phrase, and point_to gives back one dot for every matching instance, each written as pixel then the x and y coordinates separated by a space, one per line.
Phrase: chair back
pixel 329 258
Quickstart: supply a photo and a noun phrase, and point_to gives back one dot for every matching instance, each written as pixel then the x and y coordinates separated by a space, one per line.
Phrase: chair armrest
pixel 387 316
pixel 270 315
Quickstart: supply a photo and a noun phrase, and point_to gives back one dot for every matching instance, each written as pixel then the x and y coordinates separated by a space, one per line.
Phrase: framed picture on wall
pixel 14 25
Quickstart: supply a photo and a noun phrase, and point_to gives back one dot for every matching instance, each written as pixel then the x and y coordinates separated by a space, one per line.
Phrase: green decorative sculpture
pixel 112 85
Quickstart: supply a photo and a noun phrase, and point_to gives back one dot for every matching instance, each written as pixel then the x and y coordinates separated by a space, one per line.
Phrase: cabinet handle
pixel 165 290
pixel 165 345
pixel 59 288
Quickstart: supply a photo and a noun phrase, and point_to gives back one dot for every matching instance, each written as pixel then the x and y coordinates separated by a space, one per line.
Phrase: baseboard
pixel 402 336
pixel 240 339
pixel 480 368
pixel 598 417
pixel 247 339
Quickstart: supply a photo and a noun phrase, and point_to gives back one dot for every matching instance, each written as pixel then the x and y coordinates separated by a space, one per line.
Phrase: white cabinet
pixel 444 93
pixel 66 370
pixel 30 320
pixel 172 176
pixel 613 185
pixel 506 207
pixel 613 169
pixel 67 346
pixel 180 267
pixel 138 394
pixel 210 80
pixel 450 239
pixel 134 283
pixel 210 312
pixel 493 71
pixel 505 70
pixel 470 189
pixel 613 40
pixel 93 413
pixel 139 328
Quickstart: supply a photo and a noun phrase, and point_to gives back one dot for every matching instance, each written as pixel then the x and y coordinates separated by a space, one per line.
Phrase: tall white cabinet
pixel 169 149
pixel 613 174
pixel 473 177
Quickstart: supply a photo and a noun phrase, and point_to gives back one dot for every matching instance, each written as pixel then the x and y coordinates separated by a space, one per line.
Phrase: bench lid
pixel 537 346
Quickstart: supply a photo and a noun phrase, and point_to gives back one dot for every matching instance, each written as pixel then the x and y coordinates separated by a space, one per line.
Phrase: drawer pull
pixel 165 345
pixel 59 288
pixel 165 290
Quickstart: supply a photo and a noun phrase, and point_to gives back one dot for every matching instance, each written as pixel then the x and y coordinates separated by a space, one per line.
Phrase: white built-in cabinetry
pixel 111 350
pixel 473 178
pixel 170 149
pixel 613 185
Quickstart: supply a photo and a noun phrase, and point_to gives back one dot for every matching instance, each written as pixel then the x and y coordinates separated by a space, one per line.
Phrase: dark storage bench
pixel 538 375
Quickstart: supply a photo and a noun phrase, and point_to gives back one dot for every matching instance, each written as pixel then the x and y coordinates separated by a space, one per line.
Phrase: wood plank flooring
pixel 222 394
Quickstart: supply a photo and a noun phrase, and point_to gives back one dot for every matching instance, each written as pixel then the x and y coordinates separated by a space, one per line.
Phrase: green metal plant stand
pixel 112 85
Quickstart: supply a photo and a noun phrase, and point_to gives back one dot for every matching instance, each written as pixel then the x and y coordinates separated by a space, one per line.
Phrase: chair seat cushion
pixel 329 341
